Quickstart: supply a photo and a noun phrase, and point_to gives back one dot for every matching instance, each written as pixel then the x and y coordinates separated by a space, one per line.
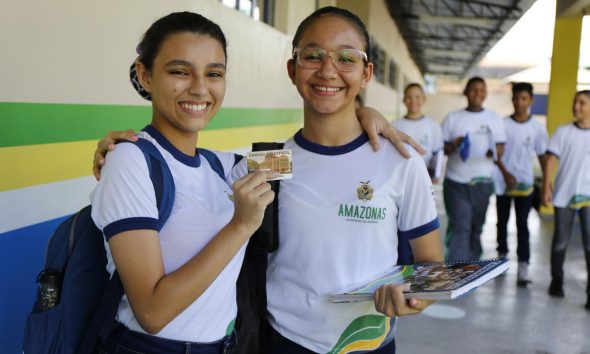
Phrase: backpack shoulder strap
pixel 102 321
pixel 161 179
pixel 251 285
pixel 214 161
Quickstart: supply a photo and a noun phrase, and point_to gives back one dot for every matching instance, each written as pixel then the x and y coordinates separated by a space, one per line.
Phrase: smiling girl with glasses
pixel 346 59
pixel 356 204
pixel 341 214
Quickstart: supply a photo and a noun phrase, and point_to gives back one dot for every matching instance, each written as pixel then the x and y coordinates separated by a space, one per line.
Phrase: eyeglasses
pixel 343 59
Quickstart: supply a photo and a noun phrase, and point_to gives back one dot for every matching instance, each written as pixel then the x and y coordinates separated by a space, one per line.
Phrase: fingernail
pixel 407 287
pixel 101 162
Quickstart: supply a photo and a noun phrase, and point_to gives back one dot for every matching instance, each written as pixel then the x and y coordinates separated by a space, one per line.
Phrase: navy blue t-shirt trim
pixel 330 150
pixel 549 152
pixel 523 122
pixel 578 126
pixel 420 230
pixel 129 224
pixel 237 159
pixel 414 119
pixel 191 161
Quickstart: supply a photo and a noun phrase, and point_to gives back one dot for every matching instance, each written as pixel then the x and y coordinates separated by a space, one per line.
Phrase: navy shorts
pixel 125 341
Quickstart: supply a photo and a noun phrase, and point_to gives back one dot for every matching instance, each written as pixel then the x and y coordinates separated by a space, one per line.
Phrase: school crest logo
pixel 365 191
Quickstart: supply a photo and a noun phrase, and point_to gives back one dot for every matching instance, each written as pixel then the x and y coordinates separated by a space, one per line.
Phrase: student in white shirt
pixel 570 146
pixel 330 206
pixel 513 178
pixel 180 280
pixel 474 137
pixel 427 132
pixel 339 222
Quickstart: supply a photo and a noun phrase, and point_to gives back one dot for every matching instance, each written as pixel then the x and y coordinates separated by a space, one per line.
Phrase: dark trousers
pixel 564 219
pixel 277 344
pixel 466 207
pixel 522 206
pixel 125 341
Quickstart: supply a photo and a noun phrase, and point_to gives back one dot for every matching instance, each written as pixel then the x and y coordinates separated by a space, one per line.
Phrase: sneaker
pixel 556 289
pixel 522 275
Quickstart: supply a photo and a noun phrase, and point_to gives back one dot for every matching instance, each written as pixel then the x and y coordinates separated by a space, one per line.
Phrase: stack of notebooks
pixel 429 281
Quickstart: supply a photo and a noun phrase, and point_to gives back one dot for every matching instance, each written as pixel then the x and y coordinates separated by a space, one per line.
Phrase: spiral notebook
pixel 429 281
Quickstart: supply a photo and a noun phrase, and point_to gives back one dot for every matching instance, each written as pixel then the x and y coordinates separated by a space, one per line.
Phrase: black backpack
pixel 251 325
pixel 87 303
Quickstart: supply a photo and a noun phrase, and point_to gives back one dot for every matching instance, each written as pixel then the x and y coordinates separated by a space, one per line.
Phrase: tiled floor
pixel 501 318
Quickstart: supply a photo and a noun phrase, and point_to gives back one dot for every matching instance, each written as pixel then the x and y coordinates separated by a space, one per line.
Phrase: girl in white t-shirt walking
pixel 570 146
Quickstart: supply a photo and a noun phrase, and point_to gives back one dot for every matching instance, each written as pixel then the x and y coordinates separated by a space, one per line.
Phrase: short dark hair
pixel 583 92
pixel 412 85
pixel 472 81
pixel 522 86
pixel 173 23
pixel 334 11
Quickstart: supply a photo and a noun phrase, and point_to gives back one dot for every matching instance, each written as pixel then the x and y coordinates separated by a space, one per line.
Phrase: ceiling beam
pixel 457 54
pixel 445 68
pixel 467 21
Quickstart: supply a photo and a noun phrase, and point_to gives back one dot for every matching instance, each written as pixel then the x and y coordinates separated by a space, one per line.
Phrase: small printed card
pixel 280 161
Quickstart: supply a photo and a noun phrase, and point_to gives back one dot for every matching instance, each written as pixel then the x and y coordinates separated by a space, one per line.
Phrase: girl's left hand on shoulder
pixel 390 301
pixel 375 124
pixel 107 144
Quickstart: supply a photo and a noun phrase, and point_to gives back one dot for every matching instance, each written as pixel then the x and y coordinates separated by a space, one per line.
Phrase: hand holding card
pixel 279 161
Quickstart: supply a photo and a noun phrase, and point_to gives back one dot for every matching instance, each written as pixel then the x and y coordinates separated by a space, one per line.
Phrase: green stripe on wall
pixel 45 123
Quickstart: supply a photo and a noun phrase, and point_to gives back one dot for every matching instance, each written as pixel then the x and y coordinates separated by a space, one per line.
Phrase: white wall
pixel 384 31
pixel 79 51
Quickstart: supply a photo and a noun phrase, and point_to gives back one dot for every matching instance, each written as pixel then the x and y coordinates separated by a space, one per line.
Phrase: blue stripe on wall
pixel 22 254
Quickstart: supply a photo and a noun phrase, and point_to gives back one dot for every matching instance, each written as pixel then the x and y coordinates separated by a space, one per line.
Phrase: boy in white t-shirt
pixel 428 133
pixel 570 145
pixel 473 138
pixel 425 130
pixel 525 138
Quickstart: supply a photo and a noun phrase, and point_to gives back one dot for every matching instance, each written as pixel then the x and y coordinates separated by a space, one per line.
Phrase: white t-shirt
pixel 426 131
pixel 524 141
pixel 485 129
pixel 124 200
pixel 340 217
pixel 572 182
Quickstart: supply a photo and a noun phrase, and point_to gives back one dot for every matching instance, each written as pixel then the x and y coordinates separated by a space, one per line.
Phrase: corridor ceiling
pixel 449 37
